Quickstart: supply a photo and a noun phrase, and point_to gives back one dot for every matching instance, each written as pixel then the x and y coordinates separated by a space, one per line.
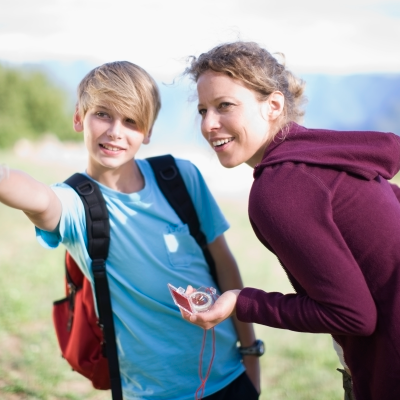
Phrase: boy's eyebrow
pixel 102 107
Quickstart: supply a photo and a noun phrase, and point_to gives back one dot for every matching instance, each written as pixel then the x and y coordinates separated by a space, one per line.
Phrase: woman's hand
pixel 223 308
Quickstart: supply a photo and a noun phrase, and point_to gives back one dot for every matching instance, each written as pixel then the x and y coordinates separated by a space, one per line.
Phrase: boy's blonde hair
pixel 124 87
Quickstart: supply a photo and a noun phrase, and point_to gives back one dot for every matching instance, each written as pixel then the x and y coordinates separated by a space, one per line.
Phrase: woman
pixel 321 202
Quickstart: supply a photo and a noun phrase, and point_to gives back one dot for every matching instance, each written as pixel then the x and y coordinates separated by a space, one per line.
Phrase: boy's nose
pixel 114 130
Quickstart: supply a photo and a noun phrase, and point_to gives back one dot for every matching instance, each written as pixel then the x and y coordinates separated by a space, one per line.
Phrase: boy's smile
pixel 109 147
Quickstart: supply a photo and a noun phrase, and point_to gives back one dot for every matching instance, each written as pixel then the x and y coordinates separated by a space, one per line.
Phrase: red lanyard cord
pixel 200 391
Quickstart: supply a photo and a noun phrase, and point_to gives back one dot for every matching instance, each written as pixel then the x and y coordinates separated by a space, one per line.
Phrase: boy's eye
pixel 130 121
pixel 102 114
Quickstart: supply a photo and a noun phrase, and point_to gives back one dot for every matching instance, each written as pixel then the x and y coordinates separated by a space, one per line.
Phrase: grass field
pixel 296 366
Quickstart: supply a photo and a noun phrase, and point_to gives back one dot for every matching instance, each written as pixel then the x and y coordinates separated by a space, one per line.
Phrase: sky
pixel 333 37
pixel 317 37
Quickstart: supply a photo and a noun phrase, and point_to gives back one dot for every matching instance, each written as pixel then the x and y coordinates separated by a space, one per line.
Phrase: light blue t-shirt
pixel 158 350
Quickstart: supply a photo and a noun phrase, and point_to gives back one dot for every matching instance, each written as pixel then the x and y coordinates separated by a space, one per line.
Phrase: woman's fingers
pixel 222 309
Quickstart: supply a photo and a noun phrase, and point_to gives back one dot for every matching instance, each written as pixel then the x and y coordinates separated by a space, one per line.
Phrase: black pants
pixel 239 389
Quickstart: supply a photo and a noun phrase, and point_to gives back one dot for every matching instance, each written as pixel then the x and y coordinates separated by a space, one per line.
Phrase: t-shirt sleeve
pixel 212 221
pixel 72 218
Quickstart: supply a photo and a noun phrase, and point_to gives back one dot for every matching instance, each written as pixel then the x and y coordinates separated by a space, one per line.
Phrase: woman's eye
pixel 202 111
pixel 225 105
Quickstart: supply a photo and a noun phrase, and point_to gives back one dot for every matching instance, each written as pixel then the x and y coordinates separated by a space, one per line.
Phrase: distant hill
pixel 363 102
pixel 350 102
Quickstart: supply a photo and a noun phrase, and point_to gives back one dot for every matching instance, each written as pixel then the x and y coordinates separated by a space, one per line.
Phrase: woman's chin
pixel 228 162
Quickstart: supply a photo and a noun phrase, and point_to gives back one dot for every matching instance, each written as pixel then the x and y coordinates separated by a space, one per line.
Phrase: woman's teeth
pixel 221 142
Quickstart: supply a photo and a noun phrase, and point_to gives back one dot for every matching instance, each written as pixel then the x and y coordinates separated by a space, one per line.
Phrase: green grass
pixel 295 366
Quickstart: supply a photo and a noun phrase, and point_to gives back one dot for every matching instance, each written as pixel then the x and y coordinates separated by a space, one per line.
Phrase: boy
pixel 150 247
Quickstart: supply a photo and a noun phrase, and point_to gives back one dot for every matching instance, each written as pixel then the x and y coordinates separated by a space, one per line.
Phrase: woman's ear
pixel 77 121
pixel 146 139
pixel 276 102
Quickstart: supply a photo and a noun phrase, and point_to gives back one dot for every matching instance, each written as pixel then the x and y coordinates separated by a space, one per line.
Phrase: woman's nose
pixel 210 122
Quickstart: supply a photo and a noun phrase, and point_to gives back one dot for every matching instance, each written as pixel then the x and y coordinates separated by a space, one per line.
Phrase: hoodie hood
pixel 363 153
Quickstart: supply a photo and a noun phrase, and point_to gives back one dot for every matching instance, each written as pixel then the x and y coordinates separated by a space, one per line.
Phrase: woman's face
pixel 237 125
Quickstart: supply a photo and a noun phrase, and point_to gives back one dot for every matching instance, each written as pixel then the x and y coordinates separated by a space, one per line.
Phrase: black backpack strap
pixel 174 189
pixel 98 234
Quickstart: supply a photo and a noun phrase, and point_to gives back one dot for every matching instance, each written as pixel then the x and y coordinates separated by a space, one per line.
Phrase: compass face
pixel 200 301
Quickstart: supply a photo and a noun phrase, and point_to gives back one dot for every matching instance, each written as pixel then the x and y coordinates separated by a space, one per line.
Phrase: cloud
pixel 340 37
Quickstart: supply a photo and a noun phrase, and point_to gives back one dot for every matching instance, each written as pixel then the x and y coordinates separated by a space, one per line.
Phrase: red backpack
pixel 86 341
pixel 79 336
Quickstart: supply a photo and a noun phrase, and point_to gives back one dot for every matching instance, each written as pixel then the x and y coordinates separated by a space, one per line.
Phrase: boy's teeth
pixel 222 141
pixel 110 148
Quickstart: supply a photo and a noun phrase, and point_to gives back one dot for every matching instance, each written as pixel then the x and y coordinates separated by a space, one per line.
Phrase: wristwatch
pixel 256 349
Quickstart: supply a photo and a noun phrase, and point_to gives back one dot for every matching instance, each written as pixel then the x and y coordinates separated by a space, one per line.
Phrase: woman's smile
pixel 234 121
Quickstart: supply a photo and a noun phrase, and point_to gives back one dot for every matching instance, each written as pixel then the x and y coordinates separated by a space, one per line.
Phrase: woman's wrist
pixel 235 292
pixel 233 295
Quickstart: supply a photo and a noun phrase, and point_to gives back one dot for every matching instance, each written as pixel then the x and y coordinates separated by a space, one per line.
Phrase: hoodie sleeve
pixel 396 191
pixel 291 213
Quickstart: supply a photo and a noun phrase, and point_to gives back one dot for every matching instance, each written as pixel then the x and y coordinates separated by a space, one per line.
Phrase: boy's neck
pixel 126 179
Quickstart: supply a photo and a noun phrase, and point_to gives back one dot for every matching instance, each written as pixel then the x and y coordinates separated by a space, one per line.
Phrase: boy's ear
pixel 78 123
pixel 146 140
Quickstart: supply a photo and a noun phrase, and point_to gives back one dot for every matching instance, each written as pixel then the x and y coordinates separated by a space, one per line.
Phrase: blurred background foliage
pixel 32 105
pixel 38 99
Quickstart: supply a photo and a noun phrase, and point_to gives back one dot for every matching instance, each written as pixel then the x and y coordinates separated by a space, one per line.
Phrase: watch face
pixel 257 349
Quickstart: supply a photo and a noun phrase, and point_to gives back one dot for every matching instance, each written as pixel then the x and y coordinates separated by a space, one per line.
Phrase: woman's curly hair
pixel 257 69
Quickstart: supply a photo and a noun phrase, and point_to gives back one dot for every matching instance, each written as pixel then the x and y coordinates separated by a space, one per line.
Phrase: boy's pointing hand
pixel 4 171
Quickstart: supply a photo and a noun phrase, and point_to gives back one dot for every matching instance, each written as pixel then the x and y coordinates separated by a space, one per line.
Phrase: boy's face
pixel 112 140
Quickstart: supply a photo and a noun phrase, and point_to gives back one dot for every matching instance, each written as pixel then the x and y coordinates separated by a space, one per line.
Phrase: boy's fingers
pixel 4 171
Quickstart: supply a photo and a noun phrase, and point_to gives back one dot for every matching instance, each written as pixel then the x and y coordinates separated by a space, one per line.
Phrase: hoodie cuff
pixel 244 304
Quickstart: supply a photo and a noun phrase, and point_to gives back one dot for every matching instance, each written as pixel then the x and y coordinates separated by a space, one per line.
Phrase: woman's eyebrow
pixel 220 98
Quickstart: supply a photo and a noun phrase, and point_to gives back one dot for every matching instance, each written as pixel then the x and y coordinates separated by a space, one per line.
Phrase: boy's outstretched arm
pixel 228 279
pixel 37 200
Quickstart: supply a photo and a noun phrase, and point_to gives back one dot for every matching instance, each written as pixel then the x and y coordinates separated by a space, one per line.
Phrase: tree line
pixel 31 105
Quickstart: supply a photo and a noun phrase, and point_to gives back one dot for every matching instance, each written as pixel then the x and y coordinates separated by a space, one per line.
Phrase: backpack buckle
pixel 85 188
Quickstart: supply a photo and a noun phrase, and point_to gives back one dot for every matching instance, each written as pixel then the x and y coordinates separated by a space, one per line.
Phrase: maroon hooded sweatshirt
pixel 321 202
